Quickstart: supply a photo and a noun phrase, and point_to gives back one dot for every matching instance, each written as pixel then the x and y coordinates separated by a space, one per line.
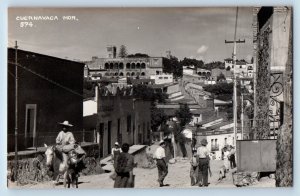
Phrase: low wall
pixel 32 165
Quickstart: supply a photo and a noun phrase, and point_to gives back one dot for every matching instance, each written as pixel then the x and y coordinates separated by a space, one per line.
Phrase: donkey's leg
pixel 76 181
pixel 65 179
pixel 69 176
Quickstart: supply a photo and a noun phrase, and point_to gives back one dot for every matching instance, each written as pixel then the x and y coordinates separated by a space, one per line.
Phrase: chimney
pixel 111 51
pixel 96 93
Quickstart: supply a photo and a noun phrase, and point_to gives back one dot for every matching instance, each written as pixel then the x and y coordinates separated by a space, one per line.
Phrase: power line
pixel 45 78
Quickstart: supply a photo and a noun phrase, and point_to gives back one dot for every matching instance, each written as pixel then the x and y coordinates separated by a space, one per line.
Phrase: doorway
pixel 30 126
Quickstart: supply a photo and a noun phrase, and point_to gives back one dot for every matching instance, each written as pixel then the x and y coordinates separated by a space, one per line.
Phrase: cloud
pixel 202 49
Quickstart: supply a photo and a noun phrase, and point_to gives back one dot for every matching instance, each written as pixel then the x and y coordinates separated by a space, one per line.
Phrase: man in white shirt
pixel 65 140
pixel 202 152
pixel 65 137
pixel 161 163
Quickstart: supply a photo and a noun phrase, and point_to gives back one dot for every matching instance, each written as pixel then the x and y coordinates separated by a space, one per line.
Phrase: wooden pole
pixel 16 113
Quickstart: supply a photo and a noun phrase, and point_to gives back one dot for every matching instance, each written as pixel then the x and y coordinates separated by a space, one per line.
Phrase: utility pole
pixel 16 115
pixel 234 74
pixel 242 116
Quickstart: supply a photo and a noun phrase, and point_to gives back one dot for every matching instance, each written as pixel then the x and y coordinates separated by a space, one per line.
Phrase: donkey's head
pixel 50 151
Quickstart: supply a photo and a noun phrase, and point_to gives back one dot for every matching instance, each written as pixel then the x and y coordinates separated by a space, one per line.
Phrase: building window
pixel 116 66
pixel 111 66
pixel 128 74
pixel 225 141
pixel 121 74
pixel 128 123
pixel 143 74
pixel 106 66
pixel 132 74
pixel 143 65
pixel 127 65
pixel 157 72
pixel 138 65
pixel 119 136
pixel 160 78
pixel 121 66
pixel 166 78
pixel 132 65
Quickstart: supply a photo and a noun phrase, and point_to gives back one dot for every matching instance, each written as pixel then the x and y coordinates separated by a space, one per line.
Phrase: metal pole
pixel 16 114
pixel 234 88
pixel 242 116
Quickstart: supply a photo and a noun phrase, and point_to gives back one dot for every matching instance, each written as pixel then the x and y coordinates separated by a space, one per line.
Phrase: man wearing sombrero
pixel 65 137
pixel 65 140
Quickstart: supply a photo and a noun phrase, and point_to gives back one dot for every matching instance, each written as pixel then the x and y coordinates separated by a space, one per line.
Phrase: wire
pixel 10 73
pixel 45 78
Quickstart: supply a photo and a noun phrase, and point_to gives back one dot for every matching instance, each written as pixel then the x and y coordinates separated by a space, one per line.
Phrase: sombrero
pixel 66 123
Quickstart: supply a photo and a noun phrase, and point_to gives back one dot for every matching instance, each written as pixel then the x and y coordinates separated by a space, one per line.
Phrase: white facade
pixel 218 141
pixel 162 78
pixel 197 118
pixel 241 69
pixel 188 71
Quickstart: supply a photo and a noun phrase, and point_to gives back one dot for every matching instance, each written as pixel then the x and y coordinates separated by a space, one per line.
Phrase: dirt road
pixel 178 177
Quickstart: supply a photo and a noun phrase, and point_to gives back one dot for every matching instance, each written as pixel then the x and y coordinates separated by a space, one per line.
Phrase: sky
pixel 198 33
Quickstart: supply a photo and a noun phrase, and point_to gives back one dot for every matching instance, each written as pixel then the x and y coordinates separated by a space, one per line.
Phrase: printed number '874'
pixel 26 24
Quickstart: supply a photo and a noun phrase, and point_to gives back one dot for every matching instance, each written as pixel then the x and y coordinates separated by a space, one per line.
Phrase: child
pixel 194 169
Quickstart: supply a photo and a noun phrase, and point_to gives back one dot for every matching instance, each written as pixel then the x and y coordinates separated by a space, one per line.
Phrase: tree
pixel 123 51
pixel 158 117
pixel 223 91
pixel 173 66
pixel 184 115
pixel 145 92
pixel 138 55
pixel 221 77
pixel 194 62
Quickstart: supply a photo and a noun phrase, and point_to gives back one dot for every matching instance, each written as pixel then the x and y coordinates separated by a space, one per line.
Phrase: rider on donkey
pixel 65 142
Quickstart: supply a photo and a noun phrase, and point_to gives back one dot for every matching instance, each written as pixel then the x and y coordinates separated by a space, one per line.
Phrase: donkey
pixel 58 162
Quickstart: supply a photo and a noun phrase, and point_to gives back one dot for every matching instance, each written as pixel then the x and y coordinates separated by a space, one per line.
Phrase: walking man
pixel 124 165
pixel 232 157
pixel 161 162
pixel 202 152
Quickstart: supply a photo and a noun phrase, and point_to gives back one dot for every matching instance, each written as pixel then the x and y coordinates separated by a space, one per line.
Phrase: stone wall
pixel 284 163
pixel 32 168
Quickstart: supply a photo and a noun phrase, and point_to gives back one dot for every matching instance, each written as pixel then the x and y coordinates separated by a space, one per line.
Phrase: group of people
pixel 228 157
pixel 200 165
pixel 124 162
